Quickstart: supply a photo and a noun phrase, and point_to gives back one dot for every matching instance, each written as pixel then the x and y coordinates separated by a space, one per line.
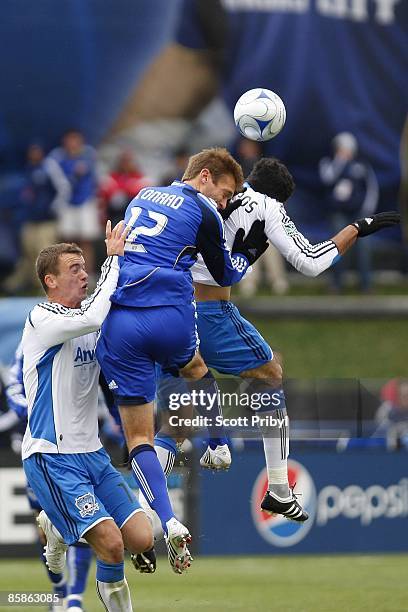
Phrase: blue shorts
pixel 32 499
pixel 80 490
pixel 229 343
pixel 133 340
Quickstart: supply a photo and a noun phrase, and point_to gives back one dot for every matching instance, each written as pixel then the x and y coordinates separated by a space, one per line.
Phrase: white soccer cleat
pixel 55 549
pixel 217 459
pixel 177 538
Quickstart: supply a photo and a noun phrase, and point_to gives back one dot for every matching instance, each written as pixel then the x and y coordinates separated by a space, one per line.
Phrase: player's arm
pixel 56 324
pixel 313 259
pixel 224 266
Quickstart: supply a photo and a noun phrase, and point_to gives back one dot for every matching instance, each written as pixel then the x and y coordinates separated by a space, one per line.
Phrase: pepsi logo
pixel 278 530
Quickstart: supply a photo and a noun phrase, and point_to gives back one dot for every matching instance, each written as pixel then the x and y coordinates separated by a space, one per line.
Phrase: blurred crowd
pixel 68 194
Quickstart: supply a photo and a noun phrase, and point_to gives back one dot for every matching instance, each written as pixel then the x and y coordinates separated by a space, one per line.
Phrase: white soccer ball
pixel 259 114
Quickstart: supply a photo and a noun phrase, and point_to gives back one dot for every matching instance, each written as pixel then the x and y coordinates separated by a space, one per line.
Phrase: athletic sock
pixel 111 586
pixel 276 449
pixel 166 450
pixel 79 559
pixel 151 481
pixel 275 438
pixel 210 407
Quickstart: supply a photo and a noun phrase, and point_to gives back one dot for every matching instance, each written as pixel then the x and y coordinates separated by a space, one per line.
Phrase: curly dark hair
pixel 271 177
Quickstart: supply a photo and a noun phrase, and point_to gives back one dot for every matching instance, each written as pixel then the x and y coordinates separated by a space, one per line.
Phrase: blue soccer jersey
pixel 170 225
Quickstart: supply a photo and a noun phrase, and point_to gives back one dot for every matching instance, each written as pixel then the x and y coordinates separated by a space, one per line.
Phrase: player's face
pixel 221 190
pixel 71 280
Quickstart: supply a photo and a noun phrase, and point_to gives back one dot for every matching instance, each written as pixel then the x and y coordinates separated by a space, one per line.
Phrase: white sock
pixel 276 449
pixel 166 458
pixel 115 595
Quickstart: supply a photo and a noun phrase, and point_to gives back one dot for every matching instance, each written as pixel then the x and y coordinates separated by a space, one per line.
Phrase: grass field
pixel 251 584
pixel 339 348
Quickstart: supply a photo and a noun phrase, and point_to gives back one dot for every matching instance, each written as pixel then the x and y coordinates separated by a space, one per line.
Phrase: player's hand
pixel 254 244
pixel 229 209
pixel 370 225
pixel 115 238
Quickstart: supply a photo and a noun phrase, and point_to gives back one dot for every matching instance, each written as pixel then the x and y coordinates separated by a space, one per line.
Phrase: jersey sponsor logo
pixel 87 504
pixel 277 529
pixel 83 356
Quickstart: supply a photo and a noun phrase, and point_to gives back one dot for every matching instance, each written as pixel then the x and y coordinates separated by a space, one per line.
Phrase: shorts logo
pixel 86 504
pixel 112 385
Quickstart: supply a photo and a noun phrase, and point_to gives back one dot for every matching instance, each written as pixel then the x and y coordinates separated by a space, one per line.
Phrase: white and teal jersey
pixel 60 371
pixel 249 206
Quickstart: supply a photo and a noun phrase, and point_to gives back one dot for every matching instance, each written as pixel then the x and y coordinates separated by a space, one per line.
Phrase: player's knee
pixel 137 534
pixel 272 371
pixel 114 550
pixel 195 369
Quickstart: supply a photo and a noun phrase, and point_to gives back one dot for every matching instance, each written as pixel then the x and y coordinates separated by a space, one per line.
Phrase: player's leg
pixel 105 539
pixel 232 345
pixel 266 379
pixel 79 558
pixel 124 353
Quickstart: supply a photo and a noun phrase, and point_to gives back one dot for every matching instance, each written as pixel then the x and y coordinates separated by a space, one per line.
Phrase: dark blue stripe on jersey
pixel 54 494
pixel 257 350
pixel 29 318
pixel 41 419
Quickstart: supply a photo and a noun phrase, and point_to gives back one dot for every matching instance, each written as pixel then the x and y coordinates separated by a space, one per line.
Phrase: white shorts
pixel 79 222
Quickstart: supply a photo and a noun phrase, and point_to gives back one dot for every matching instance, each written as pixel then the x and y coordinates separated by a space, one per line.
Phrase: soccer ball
pixel 259 114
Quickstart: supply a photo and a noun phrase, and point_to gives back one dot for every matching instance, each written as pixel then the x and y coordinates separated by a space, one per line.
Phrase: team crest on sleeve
pixel 87 504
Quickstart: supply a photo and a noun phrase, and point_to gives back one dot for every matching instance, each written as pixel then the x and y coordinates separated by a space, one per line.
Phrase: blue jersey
pixel 170 226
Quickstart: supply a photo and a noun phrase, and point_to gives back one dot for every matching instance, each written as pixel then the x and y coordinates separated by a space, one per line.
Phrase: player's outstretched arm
pixel 55 323
pixel 313 259
pixel 364 227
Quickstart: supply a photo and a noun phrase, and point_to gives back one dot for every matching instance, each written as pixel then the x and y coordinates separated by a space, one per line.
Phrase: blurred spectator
pixel 120 187
pixel 272 264
pixel 181 157
pixel 45 188
pixel 78 215
pixel 353 193
pixel 392 416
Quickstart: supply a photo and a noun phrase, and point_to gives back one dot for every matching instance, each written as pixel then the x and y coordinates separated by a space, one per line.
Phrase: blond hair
pixel 218 161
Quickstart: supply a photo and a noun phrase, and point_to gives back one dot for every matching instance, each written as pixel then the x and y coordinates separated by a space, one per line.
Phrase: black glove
pixel 231 206
pixel 145 563
pixel 254 244
pixel 370 225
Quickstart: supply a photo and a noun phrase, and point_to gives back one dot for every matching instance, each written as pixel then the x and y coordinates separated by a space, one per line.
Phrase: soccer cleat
pixel 291 509
pixel 217 459
pixel 145 562
pixel 177 538
pixel 55 549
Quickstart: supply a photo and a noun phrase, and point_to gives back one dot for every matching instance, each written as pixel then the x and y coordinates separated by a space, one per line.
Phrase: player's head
pixel 215 173
pixel 73 142
pixel 61 270
pixel 271 177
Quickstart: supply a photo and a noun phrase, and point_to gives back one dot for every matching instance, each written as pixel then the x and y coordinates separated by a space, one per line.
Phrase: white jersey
pixel 60 371
pixel 281 232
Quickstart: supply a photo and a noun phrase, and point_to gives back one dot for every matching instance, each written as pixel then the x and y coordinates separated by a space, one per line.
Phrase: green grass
pixel 251 584
pixel 339 348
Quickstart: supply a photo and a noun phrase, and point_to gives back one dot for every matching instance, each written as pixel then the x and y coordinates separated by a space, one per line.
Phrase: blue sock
pixel 209 386
pixel 110 572
pixel 79 559
pixel 151 481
